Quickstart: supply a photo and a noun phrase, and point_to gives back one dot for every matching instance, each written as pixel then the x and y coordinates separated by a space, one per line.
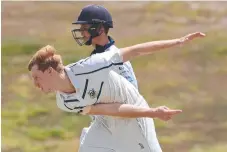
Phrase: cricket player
pixel 94 23
pixel 93 86
pixel 92 27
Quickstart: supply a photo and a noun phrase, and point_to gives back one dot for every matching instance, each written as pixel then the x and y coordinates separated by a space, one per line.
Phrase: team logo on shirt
pixel 92 93
pixel 141 145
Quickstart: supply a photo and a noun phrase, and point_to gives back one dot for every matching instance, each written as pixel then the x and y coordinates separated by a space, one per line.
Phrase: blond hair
pixel 45 58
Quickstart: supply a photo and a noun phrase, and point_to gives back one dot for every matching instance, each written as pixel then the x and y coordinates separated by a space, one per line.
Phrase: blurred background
pixel 192 77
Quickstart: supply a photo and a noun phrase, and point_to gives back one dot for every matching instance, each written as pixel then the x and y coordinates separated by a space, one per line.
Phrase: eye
pixel 36 78
pixel 83 29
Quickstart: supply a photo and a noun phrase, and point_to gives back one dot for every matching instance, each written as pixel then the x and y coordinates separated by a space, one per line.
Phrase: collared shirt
pixel 97 80
pixel 126 69
pixel 92 79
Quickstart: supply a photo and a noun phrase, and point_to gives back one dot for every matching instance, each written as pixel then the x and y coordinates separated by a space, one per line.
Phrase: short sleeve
pixel 111 56
pixel 68 105
pixel 96 62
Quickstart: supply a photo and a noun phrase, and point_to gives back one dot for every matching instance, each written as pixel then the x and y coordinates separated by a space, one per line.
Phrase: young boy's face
pixel 43 80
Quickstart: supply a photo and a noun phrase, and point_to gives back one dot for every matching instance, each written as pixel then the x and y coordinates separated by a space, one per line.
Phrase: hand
pixel 164 113
pixel 191 36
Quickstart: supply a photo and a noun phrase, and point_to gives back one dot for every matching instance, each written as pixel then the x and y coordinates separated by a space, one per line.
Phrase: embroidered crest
pixel 141 146
pixel 121 68
pixel 92 93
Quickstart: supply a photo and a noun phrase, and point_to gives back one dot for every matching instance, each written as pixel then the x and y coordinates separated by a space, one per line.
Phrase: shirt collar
pixel 100 49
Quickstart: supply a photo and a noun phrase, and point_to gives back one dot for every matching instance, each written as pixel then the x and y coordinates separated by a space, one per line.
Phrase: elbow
pixel 131 55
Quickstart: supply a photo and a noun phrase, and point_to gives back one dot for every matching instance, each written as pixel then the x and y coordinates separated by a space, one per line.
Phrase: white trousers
pixel 97 138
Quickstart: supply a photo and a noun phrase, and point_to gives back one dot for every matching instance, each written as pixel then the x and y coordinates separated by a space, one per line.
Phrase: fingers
pixel 166 114
pixel 164 107
pixel 194 35
pixel 173 112
pixel 202 34
pixel 166 118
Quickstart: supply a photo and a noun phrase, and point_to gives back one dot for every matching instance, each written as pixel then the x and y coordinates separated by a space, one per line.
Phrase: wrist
pixel 179 41
pixel 86 110
pixel 153 112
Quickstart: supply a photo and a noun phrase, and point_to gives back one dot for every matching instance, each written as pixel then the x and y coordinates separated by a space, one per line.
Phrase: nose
pixel 38 85
pixel 41 88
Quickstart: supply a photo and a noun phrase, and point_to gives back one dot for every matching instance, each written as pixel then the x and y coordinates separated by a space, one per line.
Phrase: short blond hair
pixel 46 57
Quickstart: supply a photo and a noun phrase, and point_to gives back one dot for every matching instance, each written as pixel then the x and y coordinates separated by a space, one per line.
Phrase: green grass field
pixel 192 77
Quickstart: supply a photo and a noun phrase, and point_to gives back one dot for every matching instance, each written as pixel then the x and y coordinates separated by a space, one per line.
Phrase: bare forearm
pixel 147 48
pixel 121 110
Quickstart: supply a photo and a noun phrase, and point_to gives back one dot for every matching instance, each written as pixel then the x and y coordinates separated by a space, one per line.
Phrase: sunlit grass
pixel 190 77
pixel 214 147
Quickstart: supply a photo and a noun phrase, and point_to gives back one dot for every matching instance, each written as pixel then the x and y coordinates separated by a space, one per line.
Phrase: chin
pixel 48 91
pixel 52 91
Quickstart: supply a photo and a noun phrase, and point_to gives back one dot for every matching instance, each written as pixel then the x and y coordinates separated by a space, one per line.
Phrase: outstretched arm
pixel 149 47
pixel 130 111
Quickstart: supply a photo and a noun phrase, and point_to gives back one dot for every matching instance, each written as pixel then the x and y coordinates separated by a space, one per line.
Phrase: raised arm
pixel 147 48
pixel 130 111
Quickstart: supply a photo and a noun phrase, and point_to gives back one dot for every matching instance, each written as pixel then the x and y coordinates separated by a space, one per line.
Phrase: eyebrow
pixel 84 26
pixel 34 77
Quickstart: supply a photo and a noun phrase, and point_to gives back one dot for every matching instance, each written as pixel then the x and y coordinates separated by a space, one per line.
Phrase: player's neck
pixel 102 41
pixel 65 85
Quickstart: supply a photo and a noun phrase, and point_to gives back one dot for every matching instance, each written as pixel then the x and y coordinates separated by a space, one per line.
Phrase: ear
pixel 50 70
pixel 102 30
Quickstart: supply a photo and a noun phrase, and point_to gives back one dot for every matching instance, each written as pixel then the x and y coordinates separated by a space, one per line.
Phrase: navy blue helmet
pixel 96 16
